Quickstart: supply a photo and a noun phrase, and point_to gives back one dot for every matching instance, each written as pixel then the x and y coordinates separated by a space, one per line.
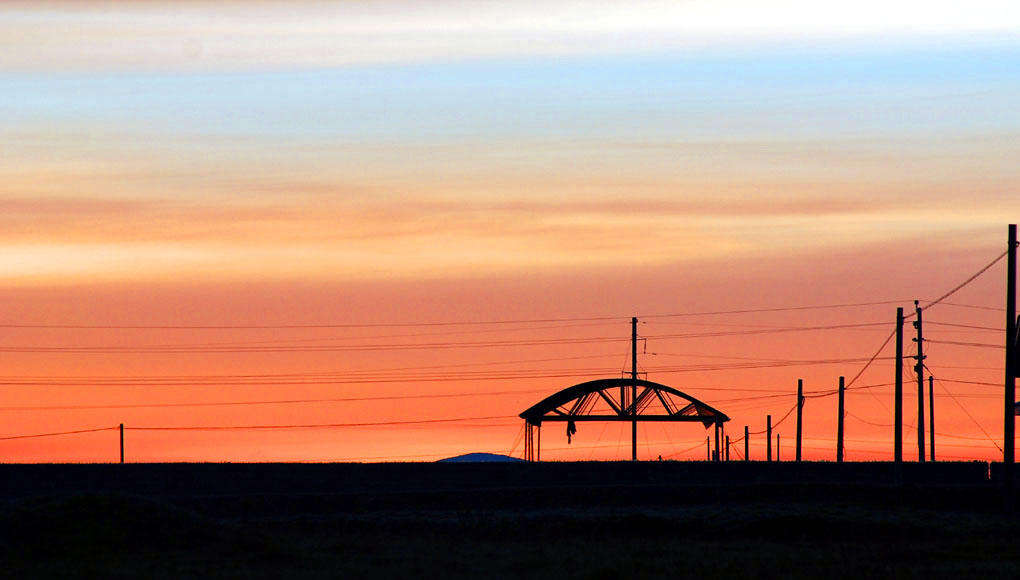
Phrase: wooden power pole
pixel 768 435
pixel 839 422
pixel 898 403
pixel 919 369
pixel 747 446
pixel 931 416
pixel 800 413
pixel 1009 422
pixel 633 389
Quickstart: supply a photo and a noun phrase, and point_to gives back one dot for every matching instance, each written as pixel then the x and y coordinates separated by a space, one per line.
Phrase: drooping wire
pixel 931 373
pixel 58 433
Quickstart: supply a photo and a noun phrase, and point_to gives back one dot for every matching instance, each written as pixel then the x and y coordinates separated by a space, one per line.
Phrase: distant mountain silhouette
pixel 480 458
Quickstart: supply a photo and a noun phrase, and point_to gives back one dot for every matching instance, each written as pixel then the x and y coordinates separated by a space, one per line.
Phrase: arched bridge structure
pixel 618 399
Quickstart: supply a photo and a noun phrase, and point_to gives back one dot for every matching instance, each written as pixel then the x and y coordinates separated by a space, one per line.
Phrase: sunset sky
pixel 235 214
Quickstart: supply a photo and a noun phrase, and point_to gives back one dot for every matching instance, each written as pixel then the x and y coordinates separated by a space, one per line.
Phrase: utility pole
pixel 727 448
pixel 1009 422
pixel 839 423
pixel 768 432
pixel 633 389
pixel 122 443
pixel 931 416
pixel 708 448
pixel 777 446
pixel 919 369
pixel 898 413
pixel 800 413
pixel 747 447
pixel 716 456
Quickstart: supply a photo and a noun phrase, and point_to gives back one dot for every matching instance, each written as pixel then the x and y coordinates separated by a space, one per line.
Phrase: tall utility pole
pixel 633 389
pixel 715 454
pixel 931 416
pixel 122 443
pixel 768 435
pixel 898 413
pixel 1009 422
pixel 747 445
pixel 800 413
pixel 839 422
pixel 919 369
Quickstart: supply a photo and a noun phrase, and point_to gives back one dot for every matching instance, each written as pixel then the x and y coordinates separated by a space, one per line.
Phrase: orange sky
pixel 300 165
pixel 882 273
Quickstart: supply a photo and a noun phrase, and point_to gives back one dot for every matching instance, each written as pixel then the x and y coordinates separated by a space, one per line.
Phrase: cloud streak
pixel 258 35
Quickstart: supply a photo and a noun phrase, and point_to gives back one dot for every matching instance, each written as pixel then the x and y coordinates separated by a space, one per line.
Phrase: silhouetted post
pixel 898 413
pixel 839 423
pixel 919 369
pixel 747 446
pixel 538 445
pixel 717 454
pixel 931 415
pixel 708 448
pixel 633 389
pixel 768 433
pixel 122 443
pixel 800 413
pixel 1009 422
pixel 777 446
pixel 727 448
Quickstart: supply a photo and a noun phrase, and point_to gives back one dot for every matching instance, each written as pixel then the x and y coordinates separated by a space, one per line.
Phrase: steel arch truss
pixel 618 399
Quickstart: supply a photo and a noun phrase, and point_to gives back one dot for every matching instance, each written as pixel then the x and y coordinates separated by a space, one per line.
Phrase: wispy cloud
pixel 219 34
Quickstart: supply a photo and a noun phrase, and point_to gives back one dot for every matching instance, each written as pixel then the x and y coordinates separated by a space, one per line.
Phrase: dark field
pixel 566 520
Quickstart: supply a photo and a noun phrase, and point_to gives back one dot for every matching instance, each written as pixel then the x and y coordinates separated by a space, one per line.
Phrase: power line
pixel 316 426
pixel 965 326
pixel 871 360
pixel 967 281
pixel 304 326
pixel 273 402
pixel 958 305
pixel 960 343
pixel 962 408
pixel 777 309
pixel 426 324
pixel 241 348
pixel 57 433
pixel 296 375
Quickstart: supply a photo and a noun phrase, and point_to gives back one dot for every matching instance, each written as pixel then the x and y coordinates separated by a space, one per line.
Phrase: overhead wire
pixel 58 433
pixel 962 408
pixel 425 324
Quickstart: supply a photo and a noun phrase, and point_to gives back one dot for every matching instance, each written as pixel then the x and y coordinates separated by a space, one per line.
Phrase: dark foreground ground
pixel 588 520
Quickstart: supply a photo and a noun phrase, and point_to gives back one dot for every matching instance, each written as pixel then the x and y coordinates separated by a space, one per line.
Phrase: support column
pixel 717 447
pixel 1009 421
pixel 633 389
pixel 768 435
pixel 931 416
pixel 919 369
pixel 898 402
pixel 747 446
pixel 839 422
pixel 800 414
